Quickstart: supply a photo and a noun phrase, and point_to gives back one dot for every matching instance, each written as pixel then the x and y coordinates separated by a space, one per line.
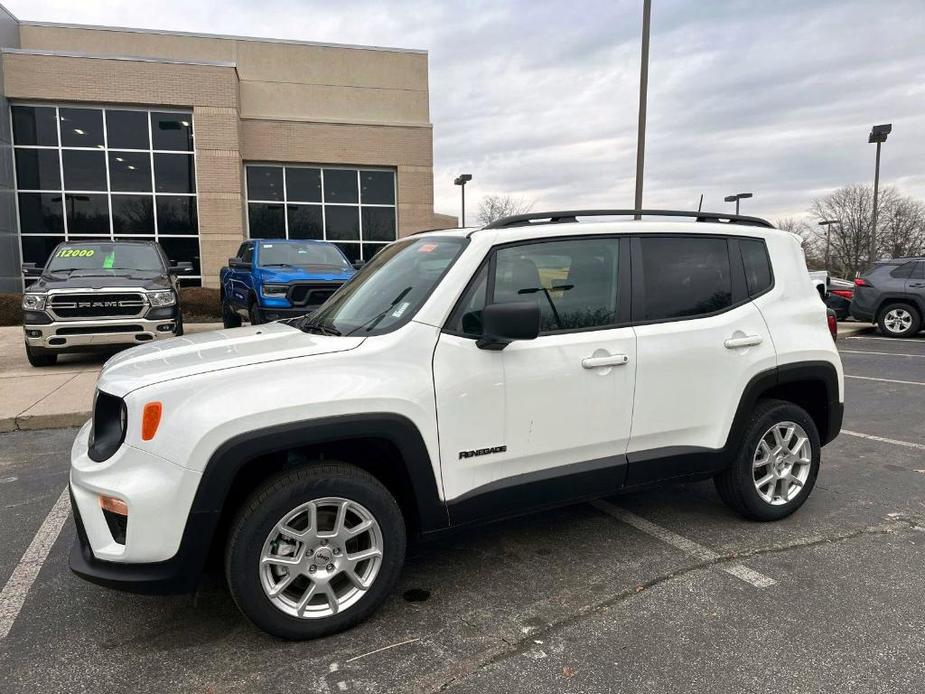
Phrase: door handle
pixel 612 360
pixel 746 341
pixel 917 284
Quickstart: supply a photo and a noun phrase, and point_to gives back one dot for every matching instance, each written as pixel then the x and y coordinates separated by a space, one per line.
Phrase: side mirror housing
pixel 31 270
pixel 238 263
pixel 357 264
pixel 183 268
pixel 504 323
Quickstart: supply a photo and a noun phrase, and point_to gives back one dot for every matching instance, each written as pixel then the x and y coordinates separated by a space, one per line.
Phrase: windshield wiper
pixel 317 327
pixel 374 321
pixel 277 265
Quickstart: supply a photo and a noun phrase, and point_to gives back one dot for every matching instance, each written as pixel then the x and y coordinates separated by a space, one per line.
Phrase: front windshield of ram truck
pixel 310 254
pixel 389 290
pixel 103 256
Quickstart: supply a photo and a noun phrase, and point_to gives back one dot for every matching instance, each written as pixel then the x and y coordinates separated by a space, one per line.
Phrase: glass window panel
pixel 38 169
pixel 266 221
pixel 370 249
pixel 132 214
pixel 41 213
pixel 343 223
pixel 84 170
pixel 180 250
pixel 174 173
pixel 81 127
pixel 87 214
pixel 340 185
pixel 177 214
pixel 305 222
pixel 172 131
pixel 378 223
pixel 351 250
pixel 377 187
pixel 37 249
pixel 127 129
pixel 264 183
pixel 757 265
pixel 685 277
pixel 35 125
pixel 130 171
pixel 303 185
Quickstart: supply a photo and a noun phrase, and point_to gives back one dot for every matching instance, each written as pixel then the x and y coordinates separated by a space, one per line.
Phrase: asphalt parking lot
pixel 665 591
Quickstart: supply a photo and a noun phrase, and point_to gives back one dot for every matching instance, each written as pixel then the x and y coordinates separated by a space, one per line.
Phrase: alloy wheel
pixel 782 462
pixel 321 558
pixel 897 320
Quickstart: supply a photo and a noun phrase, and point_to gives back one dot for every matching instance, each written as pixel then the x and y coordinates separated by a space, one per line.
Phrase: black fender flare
pixel 916 301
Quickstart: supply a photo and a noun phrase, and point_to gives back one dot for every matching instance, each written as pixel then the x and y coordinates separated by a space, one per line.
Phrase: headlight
pixel 275 289
pixel 33 302
pixel 165 298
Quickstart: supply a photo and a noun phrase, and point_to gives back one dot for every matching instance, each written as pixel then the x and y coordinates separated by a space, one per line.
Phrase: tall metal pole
pixel 463 190
pixel 643 96
pixel 873 226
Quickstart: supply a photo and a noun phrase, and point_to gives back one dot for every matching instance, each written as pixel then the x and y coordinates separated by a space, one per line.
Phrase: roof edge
pixel 103 56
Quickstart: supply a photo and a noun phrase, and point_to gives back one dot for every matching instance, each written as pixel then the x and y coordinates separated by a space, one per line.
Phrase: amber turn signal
pixel 150 419
pixel 113 505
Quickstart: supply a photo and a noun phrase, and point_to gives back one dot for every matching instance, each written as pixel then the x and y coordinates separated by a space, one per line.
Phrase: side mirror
pixel 183 268
pixel 31 270
pixel 504 323
pixel 357 264
pixel 238 263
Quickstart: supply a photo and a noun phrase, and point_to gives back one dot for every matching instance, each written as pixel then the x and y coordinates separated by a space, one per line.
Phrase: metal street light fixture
pixel 827 223
pixel 735 198
pixel 461 181
pixel 878 135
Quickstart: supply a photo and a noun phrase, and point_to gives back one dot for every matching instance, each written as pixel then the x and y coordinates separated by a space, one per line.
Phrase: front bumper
pixel 165 544
pixel 81 335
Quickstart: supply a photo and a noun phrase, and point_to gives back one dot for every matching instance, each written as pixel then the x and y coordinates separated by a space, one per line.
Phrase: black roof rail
pixel 565 216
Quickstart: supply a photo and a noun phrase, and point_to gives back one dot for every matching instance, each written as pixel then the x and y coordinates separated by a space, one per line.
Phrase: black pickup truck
pixel 98 295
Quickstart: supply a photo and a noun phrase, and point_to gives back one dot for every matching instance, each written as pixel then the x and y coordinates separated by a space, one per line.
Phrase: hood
pixel 284 275
pixel 213 351
pixel 100 279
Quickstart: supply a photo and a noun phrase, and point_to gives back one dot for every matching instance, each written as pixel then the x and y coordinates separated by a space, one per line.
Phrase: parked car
pixel 463 376
pixel 891 294
pixel 840 294
pixel 272 279
pixel 99 295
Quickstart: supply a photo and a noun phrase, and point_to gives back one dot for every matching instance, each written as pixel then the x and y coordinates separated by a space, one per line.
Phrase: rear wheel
pixel 776 466
pixel 315 551
pixel 899 320
pixel 41 357
pixel 230 319
pixel 254 314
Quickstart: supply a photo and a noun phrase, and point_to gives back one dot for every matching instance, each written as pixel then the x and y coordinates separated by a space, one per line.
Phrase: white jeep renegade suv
pixel 462 376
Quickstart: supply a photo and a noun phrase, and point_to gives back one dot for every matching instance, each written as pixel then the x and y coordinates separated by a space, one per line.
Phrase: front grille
pixel 101 305
pixel 100 329
pixel 311 293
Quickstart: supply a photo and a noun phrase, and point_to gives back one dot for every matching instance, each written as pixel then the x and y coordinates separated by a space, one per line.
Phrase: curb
pixel 44 421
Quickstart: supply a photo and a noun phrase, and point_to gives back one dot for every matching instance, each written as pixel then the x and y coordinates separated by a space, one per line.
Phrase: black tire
pixel 179 331
pixel 736 485
pixel 888 328
pixel 230 319
pixel 254 314
pixel 269 504
pixel 41 357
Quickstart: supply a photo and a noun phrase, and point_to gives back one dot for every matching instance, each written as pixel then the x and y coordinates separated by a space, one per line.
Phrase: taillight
pixel 833 325
pixel 843 293
pixel 861 282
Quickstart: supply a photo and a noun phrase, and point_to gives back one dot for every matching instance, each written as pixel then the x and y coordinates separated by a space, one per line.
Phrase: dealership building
pixel 200 141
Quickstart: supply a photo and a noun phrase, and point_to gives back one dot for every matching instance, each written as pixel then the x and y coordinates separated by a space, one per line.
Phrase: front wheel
pixel 254 314
pixel 899 320
pixel 777 463
pixel 230 318
pixel 315 551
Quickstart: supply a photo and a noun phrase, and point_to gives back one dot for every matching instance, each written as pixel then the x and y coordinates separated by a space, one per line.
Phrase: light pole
pixel 735 198
pixel 461 181
pixel 827 223
pixel 878 134
pixel 643 96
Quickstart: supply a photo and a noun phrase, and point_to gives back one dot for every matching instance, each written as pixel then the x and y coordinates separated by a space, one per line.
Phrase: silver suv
pixel 891 294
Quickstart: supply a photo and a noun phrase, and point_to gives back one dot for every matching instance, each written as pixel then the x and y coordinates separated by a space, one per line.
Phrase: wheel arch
pixel 893 298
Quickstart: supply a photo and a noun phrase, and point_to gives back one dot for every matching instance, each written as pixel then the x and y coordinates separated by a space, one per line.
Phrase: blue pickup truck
pixel 272 279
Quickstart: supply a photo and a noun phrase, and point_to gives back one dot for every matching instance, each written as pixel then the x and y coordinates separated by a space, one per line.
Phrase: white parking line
pixel 689 547
pixel 886 380
pixel 17 587
pixel 884 354
pixel 907 444
pixel 889 339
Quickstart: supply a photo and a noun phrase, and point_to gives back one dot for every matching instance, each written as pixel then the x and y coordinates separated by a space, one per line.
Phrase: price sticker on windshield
pixel 427 248
pixel 75 253
pixel 397 313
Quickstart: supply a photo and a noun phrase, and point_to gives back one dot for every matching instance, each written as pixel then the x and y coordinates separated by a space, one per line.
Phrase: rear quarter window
pixel 757 266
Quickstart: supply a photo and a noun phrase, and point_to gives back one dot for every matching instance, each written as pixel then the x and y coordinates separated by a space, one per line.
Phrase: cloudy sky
pixel 538 99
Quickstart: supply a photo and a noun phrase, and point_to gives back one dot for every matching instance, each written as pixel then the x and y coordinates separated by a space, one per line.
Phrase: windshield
pixel 302 255
pixel 104 255
pixel 389 290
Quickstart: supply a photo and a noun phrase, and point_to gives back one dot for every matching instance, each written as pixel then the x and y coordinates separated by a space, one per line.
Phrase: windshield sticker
pixel 75 253
pixel 427 248
pixel 401 309
pixel 109 260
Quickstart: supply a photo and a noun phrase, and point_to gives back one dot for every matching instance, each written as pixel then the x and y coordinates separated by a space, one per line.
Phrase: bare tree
pixel 494 207
pixel 900 225
pixel 815 254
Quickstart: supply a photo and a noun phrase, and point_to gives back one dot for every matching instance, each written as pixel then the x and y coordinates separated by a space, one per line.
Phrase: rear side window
pixel 904 271
pixel 757 265
pixel 919 272
pixel 685 277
